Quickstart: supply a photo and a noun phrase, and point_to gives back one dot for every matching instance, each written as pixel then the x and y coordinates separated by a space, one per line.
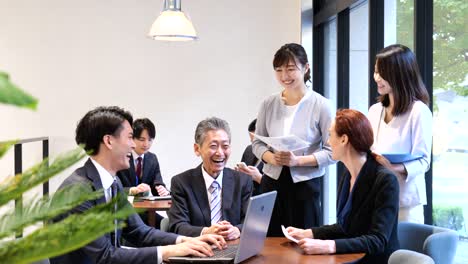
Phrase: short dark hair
pixel 292 52
pixel 397 65
pixel 141 124
pixel 253 126
pixel 357 127
pixel 101 121
pixel 212 123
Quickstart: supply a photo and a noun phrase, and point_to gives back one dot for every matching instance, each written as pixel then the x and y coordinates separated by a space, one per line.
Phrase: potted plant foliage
pixel 51 238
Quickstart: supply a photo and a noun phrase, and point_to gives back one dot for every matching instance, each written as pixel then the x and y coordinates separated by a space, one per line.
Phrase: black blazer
pixel 250 160
pixel 151 173
pixel 373 219
pixel 190 209
pixel 101 250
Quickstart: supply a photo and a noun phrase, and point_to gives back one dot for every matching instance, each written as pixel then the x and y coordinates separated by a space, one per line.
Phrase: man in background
pixel 144 174
pixel 254 166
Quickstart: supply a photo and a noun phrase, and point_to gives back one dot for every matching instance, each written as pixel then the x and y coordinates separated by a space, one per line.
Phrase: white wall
pixel 76 55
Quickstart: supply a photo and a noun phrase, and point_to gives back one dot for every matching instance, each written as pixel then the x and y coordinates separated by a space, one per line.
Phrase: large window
pixel 450 150
pixel 358 57
pixel 399 22
pixel 331 93
pixel 450 107
pixel 396 21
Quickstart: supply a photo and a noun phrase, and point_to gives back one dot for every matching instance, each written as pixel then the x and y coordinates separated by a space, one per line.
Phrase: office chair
pixel 436 242
pixel 165 224
pixel 404 256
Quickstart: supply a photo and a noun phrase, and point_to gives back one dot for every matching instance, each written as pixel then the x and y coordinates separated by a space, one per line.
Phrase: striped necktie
pixel 215 202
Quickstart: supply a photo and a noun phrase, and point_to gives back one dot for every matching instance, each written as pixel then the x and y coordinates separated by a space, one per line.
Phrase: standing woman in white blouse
pixel 402 123
pixel 296 110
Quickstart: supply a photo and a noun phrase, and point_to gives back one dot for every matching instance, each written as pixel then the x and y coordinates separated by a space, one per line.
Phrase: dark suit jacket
pixel 151 173
pixel 250 160
pixel 373 219
pixel 101 250
pixel 190 210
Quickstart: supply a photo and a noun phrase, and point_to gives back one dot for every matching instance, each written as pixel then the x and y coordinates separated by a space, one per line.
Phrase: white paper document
pixel 287 235
pixel 284 143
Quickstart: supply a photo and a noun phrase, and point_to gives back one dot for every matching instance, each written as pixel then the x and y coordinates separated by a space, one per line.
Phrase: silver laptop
pixel 252 237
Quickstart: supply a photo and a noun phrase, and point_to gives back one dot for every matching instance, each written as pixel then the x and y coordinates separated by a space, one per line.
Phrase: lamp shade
pixel 172 24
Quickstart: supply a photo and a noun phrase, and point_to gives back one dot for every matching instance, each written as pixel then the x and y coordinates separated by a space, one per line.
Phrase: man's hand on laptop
pixel 141 188
pixel 216 241
pixel 192 247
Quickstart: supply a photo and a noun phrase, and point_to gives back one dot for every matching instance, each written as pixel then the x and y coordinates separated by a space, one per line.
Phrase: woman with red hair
pixel 367 206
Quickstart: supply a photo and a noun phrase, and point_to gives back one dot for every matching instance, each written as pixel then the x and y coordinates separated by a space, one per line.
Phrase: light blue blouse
pixel 311 122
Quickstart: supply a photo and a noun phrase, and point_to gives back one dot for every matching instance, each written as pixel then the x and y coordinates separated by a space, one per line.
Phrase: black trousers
pixel 144 217
pixel 297 204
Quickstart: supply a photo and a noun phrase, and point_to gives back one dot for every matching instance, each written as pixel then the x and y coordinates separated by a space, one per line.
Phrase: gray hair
pixel 211 123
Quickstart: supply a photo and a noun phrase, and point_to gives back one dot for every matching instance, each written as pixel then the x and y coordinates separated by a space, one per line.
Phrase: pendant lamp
pixel 172 24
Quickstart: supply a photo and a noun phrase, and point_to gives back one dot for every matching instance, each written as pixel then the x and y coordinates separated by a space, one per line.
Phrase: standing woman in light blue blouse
pixel 296 110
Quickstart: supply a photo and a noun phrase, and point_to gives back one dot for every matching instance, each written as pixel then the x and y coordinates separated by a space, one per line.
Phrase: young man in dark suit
pixel 210 199
pixel 107 134
pixel 144 174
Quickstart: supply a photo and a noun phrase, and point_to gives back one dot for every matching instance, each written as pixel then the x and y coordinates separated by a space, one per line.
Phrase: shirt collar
pixel 135 156
pixel 209 179
pixel 106 178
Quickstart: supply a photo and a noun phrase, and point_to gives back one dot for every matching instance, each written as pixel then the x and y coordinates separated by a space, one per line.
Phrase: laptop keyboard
pixel 229 252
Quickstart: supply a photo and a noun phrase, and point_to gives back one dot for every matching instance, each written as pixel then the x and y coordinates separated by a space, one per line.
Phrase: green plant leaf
pixel 12 187
pixel 46 208
pixel 72 233
pixel 13 95
pixel 5 146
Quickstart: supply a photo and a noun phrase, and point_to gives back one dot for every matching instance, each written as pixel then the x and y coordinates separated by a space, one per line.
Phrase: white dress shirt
pixel 208 181
pixel 135 160
pixel 107 179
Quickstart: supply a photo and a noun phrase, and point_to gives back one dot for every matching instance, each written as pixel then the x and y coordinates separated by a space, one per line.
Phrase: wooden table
pixel 151 207
pixel 281 250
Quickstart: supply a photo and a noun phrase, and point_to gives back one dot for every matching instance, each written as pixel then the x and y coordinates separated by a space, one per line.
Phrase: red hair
pixel 357 127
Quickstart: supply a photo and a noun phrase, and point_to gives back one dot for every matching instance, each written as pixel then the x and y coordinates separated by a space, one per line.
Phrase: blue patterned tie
pixel 215 203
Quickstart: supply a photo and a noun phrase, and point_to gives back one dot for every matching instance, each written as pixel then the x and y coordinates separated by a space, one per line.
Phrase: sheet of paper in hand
pixel 284 143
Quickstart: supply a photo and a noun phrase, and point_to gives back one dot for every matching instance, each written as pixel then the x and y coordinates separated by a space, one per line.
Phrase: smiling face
pixel 383 87
pixel 143 143
pixel 214 151
pixel 121 147
pixel 291 75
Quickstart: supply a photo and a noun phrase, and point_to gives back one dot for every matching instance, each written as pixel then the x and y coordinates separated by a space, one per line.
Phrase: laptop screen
pixel 255 225
pixel 253 233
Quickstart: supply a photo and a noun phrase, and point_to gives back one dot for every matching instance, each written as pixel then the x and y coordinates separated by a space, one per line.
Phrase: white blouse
pixel 411 133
